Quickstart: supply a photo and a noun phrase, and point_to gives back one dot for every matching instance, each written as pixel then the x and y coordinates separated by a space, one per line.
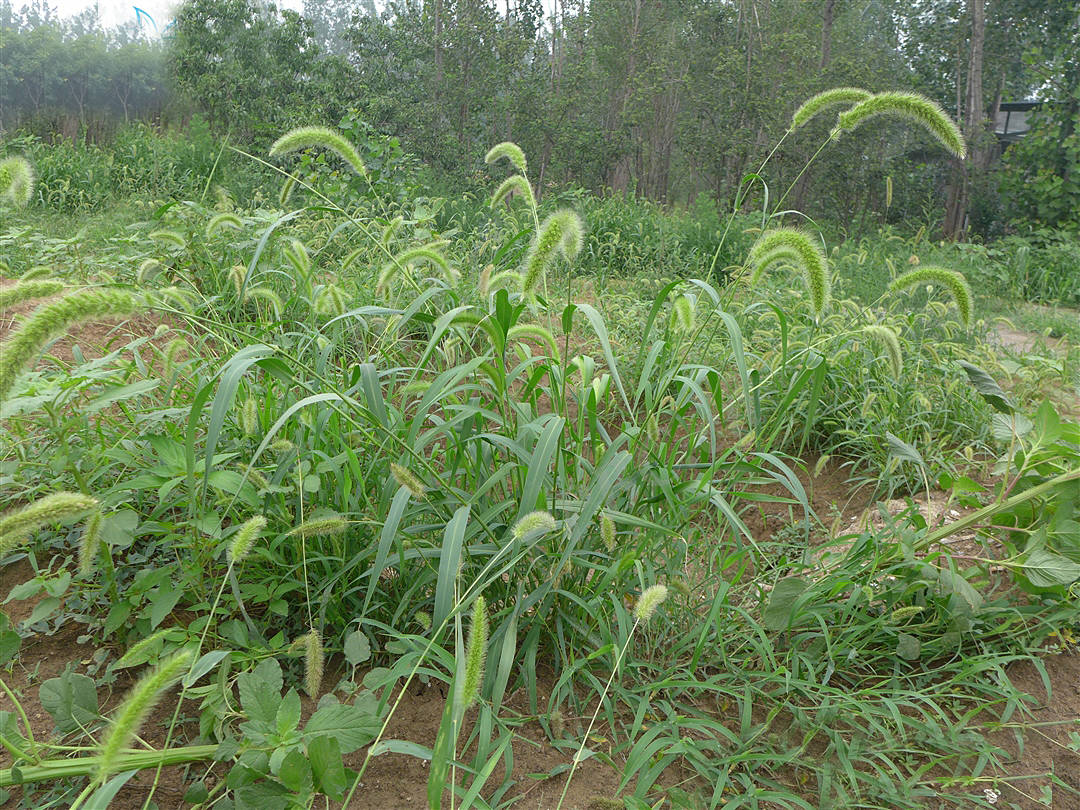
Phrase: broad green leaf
pixel 780 612
pixel 357 648
pixel 1044 569
pixel 352 725
pixel 987 388
pixel 327 769
pixel 72 701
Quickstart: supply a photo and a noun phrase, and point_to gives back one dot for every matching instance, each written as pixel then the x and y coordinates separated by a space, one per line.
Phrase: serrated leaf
pixel 327 768
pixel 1045 569
pixel 352 725
pixel 260 692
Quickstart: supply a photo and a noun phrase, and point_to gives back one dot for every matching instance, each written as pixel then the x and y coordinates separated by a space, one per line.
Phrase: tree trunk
pixel 974 123
pixel 826 32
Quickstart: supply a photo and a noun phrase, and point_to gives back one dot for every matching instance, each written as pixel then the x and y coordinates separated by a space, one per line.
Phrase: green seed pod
pixel 244 539
pixel 272 299
pixel 406 479
pixel 541 522
pixel 911 106
pixel 223 221
pixel 249 417
pixel 891 342
pixel 331 301
pixel 171 237
pixel 424 253
pixel 16 180
pixel 28 290
pixel 509 150
pixel 133 711
pixel 607 532
pixel 517 186
pixel 321 527
pixel 561 232
pixel 801 251
pixel 475 651
pixel 905 612
pixel 90 543
pixel 322 137
pixel 536 332
pixel 287 190
pixel 313 662
pixel 682 314
pixel 54 319
pixel 55 508
pixel 951 280
pixel 829 98
pixel 648 602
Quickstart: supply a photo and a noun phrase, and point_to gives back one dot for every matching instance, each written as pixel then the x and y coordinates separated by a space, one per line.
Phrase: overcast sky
pixel 114 12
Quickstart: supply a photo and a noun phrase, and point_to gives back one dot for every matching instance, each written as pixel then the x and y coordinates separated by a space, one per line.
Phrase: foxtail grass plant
pixel 322 138
pixel 54 319
pixel 17 293
pixel 951 280
pixel 16 181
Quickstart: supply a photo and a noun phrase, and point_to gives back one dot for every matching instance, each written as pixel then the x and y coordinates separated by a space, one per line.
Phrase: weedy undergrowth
pixel 372 428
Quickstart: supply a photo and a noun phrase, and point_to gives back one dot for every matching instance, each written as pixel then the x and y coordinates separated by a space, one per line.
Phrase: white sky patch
pixel 118 12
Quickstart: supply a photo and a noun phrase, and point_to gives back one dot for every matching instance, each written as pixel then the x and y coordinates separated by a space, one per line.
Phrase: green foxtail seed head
pixel 90 543
pixel 297 255
pixel 558 723
pixel 148 271
pixel 286 190
pixel 133 656
pixel 313 662
pixel 321 527
pixel 534 522
pixel 170 237
pixel 244 539
pixel 911 106
pixel 237 274
pixel 561 233
pixel 51 321
pixel 172 352
pixel 14 294
pixel 475 651
pixel 268 296
pixel 507 278
pixel 888 191
pixel 281 446
pixel 324 137
pixel 484 283
pixel 405 478
pixel 249 417
pixel 221 221
pixel 55 508
pixel 423 618
pixel 424 253
pixel 536 332
pixel 682 314
pixel 389 231
pixel 607 532
pixel 953 281
pixel 331 301
pixel 648 602
pixel 906 612
pixel 682 586
pixel 509 150
pixel 517 186
pixel 891 343
pixel 16 180
pixel 804 253
pixel 132 712
pixel 830 98
pixel 652 428
pixel 37 273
